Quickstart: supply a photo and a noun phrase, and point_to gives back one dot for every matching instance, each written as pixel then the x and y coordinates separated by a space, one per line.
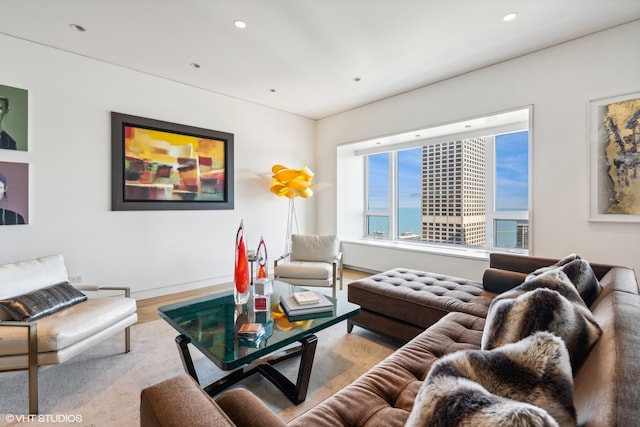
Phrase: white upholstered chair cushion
pixel 314 248
pixel 25 276
pixel 305 270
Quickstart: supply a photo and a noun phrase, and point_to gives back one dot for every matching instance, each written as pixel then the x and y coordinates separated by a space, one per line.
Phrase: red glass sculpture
pixel 261 257
pixel 241 270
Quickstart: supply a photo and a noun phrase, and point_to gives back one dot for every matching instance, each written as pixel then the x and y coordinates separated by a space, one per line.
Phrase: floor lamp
pixel 291 221
pixel 291 183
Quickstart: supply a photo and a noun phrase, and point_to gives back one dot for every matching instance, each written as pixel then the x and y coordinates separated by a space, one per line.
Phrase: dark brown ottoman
pixel 401 303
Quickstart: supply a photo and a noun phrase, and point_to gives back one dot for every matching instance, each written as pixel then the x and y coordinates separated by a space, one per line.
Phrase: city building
pixel 453 192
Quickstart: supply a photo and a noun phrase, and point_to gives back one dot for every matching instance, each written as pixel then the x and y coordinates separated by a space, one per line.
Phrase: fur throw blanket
pixel 527 383
pixel 548 301
pixel 579 273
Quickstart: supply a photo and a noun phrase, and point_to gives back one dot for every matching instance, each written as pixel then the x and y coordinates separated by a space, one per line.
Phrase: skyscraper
pixel 522 236
pixel 453 192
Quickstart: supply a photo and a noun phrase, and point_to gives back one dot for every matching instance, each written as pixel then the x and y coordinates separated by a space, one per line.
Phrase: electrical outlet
pixel 78 278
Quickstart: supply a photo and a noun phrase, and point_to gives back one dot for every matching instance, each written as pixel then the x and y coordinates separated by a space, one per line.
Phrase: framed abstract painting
pixel 158 165
pixel 615 158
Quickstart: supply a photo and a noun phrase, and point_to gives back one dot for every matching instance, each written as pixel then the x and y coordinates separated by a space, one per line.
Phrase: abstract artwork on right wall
pixel 615 158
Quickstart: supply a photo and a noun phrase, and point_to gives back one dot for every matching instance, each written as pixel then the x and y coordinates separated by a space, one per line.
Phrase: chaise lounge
pixel 601 391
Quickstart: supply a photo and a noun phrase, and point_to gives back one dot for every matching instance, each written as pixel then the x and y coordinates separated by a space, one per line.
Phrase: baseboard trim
pixel 224 283
pixel 361 269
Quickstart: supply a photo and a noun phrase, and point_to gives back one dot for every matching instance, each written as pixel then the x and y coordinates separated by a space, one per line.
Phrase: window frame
pixel 391 202
pixel 491 213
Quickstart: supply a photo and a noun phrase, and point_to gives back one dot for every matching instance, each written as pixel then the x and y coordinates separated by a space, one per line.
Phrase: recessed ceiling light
pixel 509 17
pixel 194 65
pixel 240 24
pixel 77 27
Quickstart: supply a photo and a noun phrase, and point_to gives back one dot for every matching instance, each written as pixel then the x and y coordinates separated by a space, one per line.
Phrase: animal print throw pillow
pixel 547 302
pixel 579 272
pixel 527 383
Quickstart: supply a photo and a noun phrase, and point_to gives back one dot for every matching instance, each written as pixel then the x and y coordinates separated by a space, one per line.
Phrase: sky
pixel 512 171
pixel 512 175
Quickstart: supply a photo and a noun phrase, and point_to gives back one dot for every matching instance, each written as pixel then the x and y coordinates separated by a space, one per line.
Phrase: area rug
pixel 101 387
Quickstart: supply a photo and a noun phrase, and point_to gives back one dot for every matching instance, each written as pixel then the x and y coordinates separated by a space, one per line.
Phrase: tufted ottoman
pixel 401 303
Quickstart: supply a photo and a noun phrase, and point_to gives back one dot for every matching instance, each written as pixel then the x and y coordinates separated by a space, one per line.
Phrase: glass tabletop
pixel 212 322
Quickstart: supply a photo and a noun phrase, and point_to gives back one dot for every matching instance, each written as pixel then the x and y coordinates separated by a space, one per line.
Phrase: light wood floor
pixel 148 308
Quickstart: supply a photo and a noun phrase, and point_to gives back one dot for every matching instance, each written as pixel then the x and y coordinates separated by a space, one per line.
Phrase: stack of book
pixel 255 335
pixel 250 332
pixel 305 304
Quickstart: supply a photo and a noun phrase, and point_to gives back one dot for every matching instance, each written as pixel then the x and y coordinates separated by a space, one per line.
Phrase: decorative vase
pixel 241 289
pixel 261 257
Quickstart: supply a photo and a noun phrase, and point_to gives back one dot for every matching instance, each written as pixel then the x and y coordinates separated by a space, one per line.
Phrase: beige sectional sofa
pixel 604 388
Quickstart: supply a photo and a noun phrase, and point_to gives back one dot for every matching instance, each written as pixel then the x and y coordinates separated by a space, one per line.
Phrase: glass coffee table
pixel 211 325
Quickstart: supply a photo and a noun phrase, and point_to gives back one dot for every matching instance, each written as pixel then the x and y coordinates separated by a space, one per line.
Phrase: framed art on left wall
pixel 159 165
pixel 14 111
pixel 615 158
pixel 14 193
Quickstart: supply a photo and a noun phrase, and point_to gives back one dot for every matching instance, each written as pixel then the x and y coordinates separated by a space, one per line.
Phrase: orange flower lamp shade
pixel 291 183
pixel 241 289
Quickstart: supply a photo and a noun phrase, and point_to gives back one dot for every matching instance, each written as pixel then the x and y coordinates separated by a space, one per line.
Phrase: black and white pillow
pixel 42 302
pixel 579 272
pixel 546 302
pixel 524 383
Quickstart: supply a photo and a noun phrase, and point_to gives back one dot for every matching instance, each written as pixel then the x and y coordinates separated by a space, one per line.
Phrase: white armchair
pixel 31 337
pixel 313 261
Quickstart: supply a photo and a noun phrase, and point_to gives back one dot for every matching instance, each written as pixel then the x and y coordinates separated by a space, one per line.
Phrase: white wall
pixel 70 100
pixel 559 82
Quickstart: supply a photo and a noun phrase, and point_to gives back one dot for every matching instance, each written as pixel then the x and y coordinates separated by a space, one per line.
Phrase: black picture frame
pixel 158 165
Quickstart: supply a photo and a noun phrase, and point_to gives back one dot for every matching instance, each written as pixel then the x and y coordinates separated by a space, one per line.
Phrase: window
pixel 409 194
pixel 378 195
pixel 471 191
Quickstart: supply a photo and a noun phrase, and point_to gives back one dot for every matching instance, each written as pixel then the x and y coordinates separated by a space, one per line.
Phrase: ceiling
pixel 313 58
pixel 504 122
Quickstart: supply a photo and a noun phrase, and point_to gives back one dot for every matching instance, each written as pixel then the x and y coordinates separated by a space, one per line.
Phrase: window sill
pixel 462 252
